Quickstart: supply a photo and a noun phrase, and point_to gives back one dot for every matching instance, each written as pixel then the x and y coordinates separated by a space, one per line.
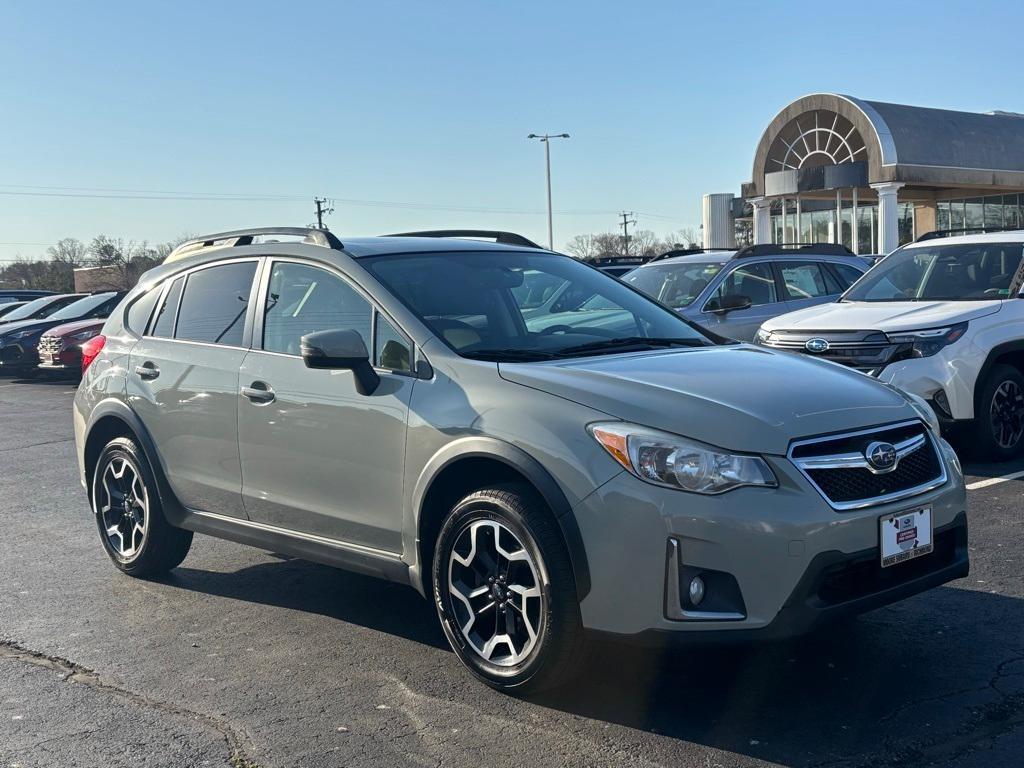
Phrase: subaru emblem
pixel 881 456
pixel 817 346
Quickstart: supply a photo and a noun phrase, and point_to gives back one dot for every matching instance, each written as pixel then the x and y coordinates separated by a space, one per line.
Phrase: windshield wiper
pixel 510 355
pixel 634 342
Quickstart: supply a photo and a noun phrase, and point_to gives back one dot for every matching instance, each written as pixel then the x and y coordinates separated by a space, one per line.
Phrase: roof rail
pixel 239 237
pixel 783 249
pixel 687 252
pixel 506 238
pixel 939 233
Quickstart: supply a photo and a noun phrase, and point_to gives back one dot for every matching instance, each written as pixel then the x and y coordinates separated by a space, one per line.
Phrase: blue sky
pixel 429 104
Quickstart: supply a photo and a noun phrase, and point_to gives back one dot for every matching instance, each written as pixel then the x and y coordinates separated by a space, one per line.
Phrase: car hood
pixel 881 315
pixel 25 325
pixel 75 326
pixel 739 397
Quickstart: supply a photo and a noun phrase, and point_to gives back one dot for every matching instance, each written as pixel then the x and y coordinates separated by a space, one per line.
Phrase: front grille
pixel 49 345
pixel 866 351
pixel 838 467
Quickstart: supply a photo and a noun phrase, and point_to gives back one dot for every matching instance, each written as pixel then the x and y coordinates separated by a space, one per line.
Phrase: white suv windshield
pixel 942 272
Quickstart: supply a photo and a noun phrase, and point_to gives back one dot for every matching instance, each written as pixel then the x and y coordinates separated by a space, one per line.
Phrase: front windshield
pixel 941 272
pixel 677 285
pixel 511 305
pixel 83 307
pixel 35 308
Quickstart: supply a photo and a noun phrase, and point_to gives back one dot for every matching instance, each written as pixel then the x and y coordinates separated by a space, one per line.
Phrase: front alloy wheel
pixel 123 506
pixel 505 590
pixel 1007 414
pixel 999 426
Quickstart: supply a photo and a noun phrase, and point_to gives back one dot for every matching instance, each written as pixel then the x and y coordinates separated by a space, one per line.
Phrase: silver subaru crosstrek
pixel 386 405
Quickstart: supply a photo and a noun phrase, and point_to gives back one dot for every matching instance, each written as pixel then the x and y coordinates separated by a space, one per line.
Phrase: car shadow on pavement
pixel 309 587
pixel 923 679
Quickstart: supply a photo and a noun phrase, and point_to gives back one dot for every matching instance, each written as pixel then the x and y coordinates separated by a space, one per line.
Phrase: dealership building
pixel 872 175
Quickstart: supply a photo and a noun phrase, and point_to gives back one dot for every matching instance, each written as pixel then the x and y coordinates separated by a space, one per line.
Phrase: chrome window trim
pixel 844 506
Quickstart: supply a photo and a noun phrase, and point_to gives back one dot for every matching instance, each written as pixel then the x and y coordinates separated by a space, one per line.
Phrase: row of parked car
pixel 43 332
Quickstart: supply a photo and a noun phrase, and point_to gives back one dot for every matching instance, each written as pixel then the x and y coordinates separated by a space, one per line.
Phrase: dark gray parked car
pixel 384 405
pixel 732 292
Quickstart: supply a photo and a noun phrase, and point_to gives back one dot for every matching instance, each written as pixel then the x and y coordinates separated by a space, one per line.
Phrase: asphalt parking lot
pixel 245 658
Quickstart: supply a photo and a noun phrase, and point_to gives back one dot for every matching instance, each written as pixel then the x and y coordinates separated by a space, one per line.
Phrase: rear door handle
pixel 147 371
pixel 260 392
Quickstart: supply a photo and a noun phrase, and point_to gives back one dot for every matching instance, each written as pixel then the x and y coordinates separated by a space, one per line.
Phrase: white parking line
pixel 993 481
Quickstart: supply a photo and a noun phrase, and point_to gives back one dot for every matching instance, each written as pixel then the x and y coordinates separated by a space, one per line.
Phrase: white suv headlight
pixel 665 459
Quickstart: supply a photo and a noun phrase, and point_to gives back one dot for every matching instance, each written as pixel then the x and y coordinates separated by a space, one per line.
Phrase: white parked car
pixel 942 318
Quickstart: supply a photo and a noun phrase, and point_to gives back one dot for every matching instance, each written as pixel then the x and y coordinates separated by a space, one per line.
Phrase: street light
pixel 546 140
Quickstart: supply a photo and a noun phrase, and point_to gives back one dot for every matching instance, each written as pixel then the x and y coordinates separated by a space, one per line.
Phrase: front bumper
pixel 780 545
pixel 944 372
pixel 15 358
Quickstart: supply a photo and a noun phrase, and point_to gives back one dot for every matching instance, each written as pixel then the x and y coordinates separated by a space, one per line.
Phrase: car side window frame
pixel 787 296
pixel 247 329
pixel 375 310
pixel 727 272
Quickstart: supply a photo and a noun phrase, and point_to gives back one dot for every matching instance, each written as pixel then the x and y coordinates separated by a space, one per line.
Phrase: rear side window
pixel 214 304
pixel 849 275
pixel 163 326
pixel 754 281
pixel 804 280
pixel 141 310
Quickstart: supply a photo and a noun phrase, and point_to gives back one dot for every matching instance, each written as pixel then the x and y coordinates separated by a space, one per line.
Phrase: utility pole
pixel 322 209
pixel 626 221
pixel 545 139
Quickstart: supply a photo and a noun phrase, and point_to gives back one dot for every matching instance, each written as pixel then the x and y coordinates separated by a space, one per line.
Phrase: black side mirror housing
pixel 729 303
pixel 338 349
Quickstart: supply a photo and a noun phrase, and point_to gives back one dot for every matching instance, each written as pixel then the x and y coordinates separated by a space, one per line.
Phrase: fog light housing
pixel 696 590
pixel 942 402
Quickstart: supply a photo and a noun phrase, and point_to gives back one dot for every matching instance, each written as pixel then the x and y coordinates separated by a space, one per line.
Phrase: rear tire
pixel 505 591
pixel 130 519
pixel 999 419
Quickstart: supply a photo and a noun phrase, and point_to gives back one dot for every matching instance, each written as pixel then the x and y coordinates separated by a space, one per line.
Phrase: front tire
pixel 129 516
pixel 505 591
pixel 999 421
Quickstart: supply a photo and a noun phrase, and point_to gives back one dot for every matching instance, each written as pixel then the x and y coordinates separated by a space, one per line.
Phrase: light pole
pixel 546 140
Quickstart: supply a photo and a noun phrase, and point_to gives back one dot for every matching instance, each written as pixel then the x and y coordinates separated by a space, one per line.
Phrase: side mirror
pixel 341 350
pixel 728 304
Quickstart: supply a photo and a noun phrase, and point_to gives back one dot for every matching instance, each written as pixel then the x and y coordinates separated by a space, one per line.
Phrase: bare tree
pixel 582 247
pixel 69 251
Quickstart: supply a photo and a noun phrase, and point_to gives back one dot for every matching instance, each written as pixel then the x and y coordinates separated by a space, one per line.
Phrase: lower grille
pixel 840 469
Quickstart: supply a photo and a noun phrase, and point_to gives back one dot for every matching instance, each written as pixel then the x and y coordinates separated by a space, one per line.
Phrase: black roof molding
pixel 688 252
pixel 940 233
pixel 240 237
pixel 795 249
pixel 505 238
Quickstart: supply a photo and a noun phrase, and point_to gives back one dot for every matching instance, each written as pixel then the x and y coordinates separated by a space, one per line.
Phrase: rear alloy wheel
pixel 505 591
pixel 129 516
pixel 1000 418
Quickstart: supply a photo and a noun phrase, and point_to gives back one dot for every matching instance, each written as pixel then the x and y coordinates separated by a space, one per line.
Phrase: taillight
pixel 91 349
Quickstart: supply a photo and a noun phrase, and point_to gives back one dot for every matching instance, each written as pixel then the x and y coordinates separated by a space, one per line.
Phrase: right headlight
pixel 762 336
pixel 665 459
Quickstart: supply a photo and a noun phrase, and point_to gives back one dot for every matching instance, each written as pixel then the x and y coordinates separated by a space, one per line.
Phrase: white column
pixel 719 225
pixel 762 220
pixel 888 216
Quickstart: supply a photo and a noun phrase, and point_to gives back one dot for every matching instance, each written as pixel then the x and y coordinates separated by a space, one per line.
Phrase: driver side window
pixel 302 299
pixel 755 281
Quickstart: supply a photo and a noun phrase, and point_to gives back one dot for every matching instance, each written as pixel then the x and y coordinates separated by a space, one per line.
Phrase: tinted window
pixel 469 300
pixel 303 299
pixel 755 281
pixel 164 324
pixel 141 310
pixel 97 305
pixel 849 275
pixel 392 349
pixel 965 272
pixel 677 285
pixel 214 302
pixel 804 280
pixel 42 307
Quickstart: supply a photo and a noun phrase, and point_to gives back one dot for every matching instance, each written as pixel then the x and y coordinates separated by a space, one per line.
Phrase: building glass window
pixel 993 215
pixel 974 215
pixel 1011 211
pixel 906 223
pixel 956 214
pixel 942 215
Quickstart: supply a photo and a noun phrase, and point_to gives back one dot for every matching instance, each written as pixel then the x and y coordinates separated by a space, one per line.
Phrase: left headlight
pixel 665 459
pixel 762 336
pixel 929 341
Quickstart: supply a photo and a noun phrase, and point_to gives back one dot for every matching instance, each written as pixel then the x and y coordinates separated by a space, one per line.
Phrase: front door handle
pixel 259 392
pixel 147 371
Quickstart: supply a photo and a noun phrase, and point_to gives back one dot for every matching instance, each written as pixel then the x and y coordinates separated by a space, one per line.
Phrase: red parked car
pixel 60 348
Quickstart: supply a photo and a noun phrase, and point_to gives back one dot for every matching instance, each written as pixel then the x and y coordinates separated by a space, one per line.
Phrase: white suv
pixel 942 318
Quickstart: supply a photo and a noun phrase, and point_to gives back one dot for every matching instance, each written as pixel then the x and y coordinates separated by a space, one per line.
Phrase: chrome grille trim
pixel 857 461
